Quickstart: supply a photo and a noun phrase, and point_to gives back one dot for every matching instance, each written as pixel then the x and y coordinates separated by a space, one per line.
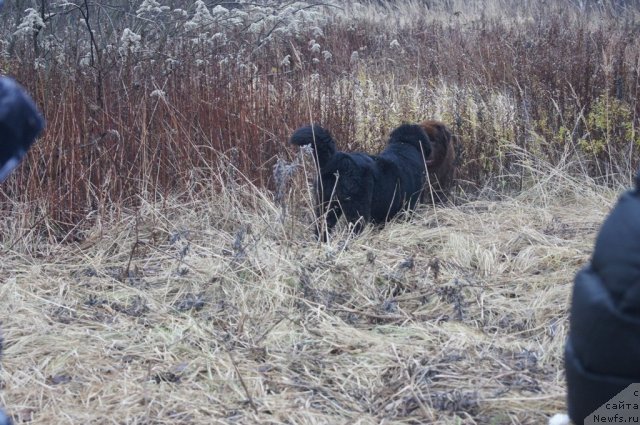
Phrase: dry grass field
pixel 216 310
pixel 157 263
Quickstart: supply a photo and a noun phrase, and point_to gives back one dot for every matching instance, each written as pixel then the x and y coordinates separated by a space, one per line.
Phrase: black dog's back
pixel 401 172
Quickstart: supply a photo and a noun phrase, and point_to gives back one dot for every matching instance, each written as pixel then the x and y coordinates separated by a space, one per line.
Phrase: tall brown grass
pixel 555 80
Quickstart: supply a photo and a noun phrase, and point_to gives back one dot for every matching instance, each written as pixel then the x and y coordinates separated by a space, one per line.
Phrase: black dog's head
pixel 324 147
pixel 414 135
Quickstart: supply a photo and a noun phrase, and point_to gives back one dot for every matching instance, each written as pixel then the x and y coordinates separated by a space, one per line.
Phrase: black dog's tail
pixel 414 135
pixel 324 147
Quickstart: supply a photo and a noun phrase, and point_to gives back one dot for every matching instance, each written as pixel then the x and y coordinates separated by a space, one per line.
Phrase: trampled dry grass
pixel 218 310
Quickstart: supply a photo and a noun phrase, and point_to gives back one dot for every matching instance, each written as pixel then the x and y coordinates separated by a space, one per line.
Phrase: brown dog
pixel 442 161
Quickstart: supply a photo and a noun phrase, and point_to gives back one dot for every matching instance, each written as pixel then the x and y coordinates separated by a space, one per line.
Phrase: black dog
pixel 366 188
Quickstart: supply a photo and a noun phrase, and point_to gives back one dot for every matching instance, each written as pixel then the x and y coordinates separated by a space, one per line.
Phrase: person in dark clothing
pixel 20 124
pixel 602 353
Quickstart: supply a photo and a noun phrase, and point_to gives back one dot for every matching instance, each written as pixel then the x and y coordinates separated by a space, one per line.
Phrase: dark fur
pixel 442 161
pixel 366 188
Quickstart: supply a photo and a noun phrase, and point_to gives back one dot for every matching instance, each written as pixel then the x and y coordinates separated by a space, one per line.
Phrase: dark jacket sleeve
pixel 602 354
